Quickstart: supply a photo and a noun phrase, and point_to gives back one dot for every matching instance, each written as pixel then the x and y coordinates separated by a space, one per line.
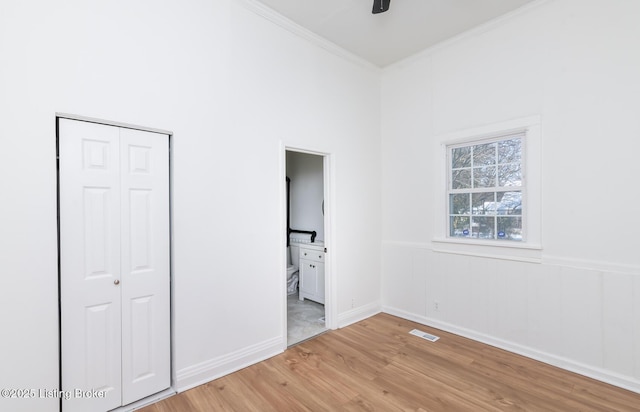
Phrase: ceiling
pixel 407 28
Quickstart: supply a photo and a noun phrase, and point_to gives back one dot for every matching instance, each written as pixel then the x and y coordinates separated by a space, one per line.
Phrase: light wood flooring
pixel 375 365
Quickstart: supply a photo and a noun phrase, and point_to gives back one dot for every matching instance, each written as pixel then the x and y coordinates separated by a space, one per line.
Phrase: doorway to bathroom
pixel 308 272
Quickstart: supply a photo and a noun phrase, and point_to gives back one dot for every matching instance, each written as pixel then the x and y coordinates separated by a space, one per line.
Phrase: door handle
pixel 116 282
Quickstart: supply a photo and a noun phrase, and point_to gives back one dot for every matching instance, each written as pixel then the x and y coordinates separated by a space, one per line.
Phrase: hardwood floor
pixel 375 365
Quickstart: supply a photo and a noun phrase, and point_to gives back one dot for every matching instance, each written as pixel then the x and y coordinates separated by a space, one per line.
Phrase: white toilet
pixel 293 254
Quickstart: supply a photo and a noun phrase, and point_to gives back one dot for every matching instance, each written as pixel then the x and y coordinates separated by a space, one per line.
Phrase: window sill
pixel 492 249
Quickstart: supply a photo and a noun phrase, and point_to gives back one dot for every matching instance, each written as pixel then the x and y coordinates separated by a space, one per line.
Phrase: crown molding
pixel 273 16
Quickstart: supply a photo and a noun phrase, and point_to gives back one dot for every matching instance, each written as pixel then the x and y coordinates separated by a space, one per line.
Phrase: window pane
pixel 459 226
pixel 461 157
pixel 484 176
pixel 510 151
pixel 486 189
pixel 509 175
pixel 461 179
pixel 459 204
pixel 509 203
pixel 483 204
pixel 482 227
pixel 510 228
pixel 484 154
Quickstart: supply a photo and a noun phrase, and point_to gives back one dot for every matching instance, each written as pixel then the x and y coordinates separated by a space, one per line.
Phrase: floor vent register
pixel 424 335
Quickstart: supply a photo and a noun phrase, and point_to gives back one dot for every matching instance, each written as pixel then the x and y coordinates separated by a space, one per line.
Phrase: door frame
pixel 171 390
pixel 328 182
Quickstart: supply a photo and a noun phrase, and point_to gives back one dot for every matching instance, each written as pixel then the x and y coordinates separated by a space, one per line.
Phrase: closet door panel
pixel 145 263
pixel 90 264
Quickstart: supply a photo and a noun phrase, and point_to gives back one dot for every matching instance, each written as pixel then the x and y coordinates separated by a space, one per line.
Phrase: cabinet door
pixel 308 278
pixel 312 280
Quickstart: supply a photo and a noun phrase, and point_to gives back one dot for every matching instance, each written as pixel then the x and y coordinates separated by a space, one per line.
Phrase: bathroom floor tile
pixel 305 319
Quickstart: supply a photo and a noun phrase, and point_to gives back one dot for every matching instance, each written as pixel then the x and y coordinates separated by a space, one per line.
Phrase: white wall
pixel 307 193
pixel 575 63
pixel 234 88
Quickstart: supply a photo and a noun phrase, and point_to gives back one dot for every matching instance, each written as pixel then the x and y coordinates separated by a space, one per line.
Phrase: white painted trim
pixel 172 271
pixel 476 31
pixel 273 16
pixel 528 254
pixel 489 130
pixel 328 183
pixel 360 313
pixel 498 256
pixel 331 284
pixel 497 243
pixel 283 241
pixel 215 368
pixel 112 123
pixel 530 249
pixel 586 264
pixel 602 375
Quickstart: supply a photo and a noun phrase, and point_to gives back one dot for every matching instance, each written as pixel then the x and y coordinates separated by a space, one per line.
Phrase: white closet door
pixel 114 246
pixel 145 263
pixel 90 264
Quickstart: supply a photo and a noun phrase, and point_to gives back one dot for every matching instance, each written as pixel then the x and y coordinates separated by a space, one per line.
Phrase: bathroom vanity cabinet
pixel 312 273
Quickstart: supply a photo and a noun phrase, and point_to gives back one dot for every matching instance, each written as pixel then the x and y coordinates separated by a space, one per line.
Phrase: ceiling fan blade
pixel 380 6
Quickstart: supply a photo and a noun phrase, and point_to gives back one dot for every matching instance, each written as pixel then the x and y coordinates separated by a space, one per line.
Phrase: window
pixel 486 188
pixel 490 181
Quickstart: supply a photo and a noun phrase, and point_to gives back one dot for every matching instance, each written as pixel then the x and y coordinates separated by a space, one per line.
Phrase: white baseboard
pixel 358 314
pixel 215 368
pixel 603 375
pixel 209 370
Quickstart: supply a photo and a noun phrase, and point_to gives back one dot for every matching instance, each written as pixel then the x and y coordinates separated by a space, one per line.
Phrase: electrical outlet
pixel 436 306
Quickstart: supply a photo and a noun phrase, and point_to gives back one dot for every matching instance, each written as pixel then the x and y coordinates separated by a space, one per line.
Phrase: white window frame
pixel 529 249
